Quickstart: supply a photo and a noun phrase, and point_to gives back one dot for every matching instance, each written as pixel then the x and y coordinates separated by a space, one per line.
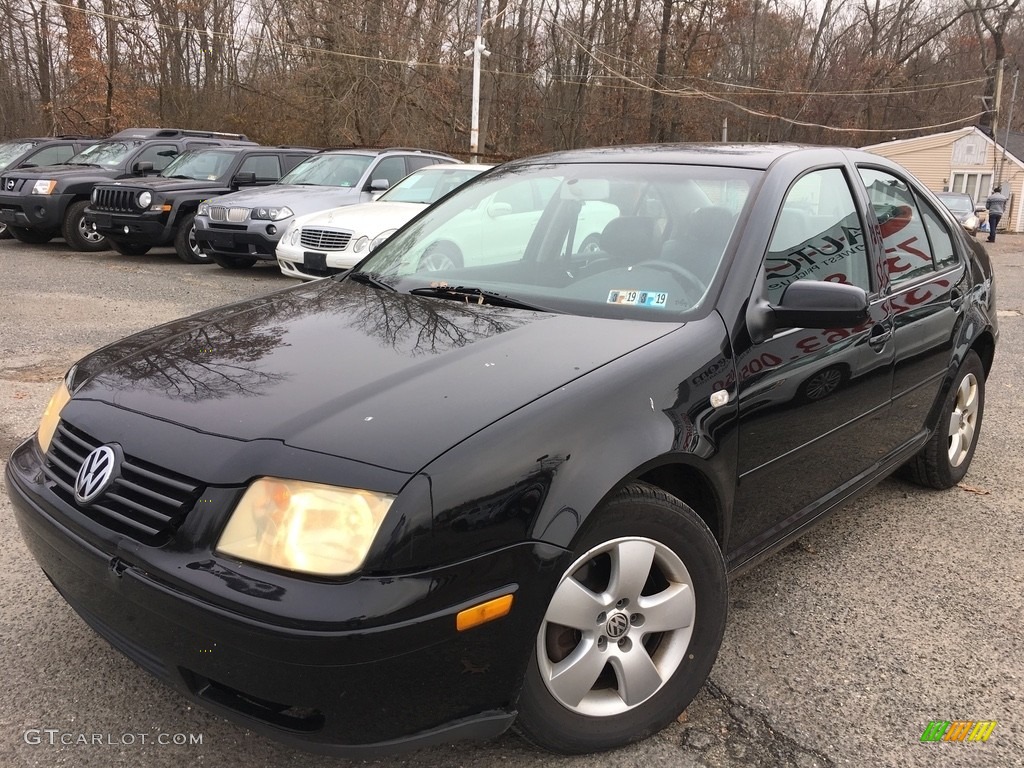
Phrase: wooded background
pixel 561 73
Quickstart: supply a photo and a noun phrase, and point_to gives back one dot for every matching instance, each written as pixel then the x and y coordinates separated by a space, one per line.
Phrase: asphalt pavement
pixel 901 609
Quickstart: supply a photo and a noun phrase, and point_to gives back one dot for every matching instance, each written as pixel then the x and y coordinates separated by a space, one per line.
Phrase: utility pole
pixel 478 49
pixel 995 117
pixel 1009 122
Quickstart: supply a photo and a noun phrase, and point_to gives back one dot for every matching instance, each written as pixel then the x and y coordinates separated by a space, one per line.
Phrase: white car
pixel 324 243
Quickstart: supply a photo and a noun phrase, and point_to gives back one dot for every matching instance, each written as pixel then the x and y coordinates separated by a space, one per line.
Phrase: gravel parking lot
pixel 902 609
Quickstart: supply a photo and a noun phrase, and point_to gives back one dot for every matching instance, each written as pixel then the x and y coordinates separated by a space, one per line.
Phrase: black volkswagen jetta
pixel 502 470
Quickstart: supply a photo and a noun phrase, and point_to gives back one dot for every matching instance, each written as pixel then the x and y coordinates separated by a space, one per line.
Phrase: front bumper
pixel 359 686
pixel 152 229
pixel 239 242
pixel 310 264
pixel 42 212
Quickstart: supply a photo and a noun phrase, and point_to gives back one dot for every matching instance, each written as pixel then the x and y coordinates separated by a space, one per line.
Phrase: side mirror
pixel 808 304
pixel 142 168
pixel 496 210
pixel 243 179
pixel 821 304
pixel 379 185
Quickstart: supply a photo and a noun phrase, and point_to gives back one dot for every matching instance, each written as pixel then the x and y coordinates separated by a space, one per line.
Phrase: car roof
pixel 454 167
pixel 371 151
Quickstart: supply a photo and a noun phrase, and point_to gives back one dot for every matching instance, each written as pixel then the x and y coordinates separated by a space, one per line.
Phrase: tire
pixel 234 262
pixel 4 234
pixel 599 676
pixel 823 383
pixel 442 255
pixel 77 234
pixel 31 236
pixel 590 245
pixel 947 455
pixel 129 249
pixel 185 244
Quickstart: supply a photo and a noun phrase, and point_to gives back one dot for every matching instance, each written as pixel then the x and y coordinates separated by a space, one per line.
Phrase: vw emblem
pixel 617 625
pixel 95 475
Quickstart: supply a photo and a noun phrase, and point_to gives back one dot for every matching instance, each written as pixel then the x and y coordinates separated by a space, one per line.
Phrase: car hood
pixel 364 217
pixel 63 171
pixel 301 198
pixel 343 369
pixel 160 184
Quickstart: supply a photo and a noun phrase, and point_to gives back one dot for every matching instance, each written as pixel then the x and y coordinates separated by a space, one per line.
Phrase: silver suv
pixel 239 229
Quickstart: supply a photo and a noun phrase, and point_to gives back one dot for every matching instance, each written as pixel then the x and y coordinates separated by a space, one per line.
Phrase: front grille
pixel 11 184
pixel 326 239
pixel 146 502
pixel 220 213
pixel 120 200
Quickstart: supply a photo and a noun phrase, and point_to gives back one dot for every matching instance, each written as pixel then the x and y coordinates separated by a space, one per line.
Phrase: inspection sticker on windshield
pixel 638 298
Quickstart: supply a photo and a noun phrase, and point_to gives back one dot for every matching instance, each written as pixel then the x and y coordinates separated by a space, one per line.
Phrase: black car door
pixel 928 282
pixel 813 404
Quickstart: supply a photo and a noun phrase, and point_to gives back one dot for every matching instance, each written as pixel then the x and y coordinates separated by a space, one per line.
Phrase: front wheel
pixel 440 256
pixel 4 234
pixel 945 458
pixel 31 236
pixel 632 629
pixel 185 243
pixel 79 235
pixel 129 249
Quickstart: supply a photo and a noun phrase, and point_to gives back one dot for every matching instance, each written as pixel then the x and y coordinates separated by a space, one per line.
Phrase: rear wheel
pixel 31 236
pixel 79 235
pixel 129 249
pixel 632 629
pixel 944 460
pixel 185 244
pixel 440 256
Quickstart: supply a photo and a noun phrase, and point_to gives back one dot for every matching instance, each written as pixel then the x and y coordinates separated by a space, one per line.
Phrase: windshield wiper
pixel 474 295
pixel 366 278
pixel 183 176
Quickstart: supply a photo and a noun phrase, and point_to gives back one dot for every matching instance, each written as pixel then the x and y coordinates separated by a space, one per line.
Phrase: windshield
pixel 429 185
pixel 11 150
pixel 202 165
pixel 958 203
pixel 604 239
pixel 106 153
pixel 329 170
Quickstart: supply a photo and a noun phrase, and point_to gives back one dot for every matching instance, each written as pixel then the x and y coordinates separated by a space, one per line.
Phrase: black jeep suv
pixel 40 204
pixel 39 150
pixel 135 215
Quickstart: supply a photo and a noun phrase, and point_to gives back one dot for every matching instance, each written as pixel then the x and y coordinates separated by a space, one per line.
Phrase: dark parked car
pixel 138 214
pixel 963 207
pixel 39 204
pixel 37 151
pixel 404 506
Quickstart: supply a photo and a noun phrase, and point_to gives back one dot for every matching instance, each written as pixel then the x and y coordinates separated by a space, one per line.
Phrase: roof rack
pixel 175 133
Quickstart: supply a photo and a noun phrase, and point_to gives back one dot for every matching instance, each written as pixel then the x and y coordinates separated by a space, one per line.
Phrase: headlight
pixel 48 424
pixel 306 527
pixel 293 236
pixel 44 186
pixel 381 238
pixel 145 198
pixel 360 244
pixel 273 214
pixel 204 209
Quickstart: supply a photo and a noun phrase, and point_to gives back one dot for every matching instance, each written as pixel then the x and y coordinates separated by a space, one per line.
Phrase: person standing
pixel 996 205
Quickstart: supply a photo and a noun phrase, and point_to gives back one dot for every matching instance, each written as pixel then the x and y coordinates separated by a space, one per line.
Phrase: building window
pixel 977 185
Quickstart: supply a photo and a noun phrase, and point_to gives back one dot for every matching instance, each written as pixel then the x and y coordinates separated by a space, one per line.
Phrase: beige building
pixel 965 160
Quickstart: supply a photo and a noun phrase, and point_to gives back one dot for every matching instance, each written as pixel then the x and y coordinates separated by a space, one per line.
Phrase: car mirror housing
pixel 379 185
pixel 243 179
pixel 142 168
pixel 821 304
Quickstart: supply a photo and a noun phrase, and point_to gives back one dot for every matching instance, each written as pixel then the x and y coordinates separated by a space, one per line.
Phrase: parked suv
pixel 39 204
pixel 135 215
pixel 239 229
pixel 36 151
